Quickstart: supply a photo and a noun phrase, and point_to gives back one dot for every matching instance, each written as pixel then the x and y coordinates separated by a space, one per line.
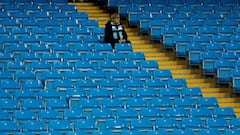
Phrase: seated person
pixel 114 31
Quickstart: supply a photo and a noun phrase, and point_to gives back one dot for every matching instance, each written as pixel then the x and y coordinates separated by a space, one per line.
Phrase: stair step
pixel 215 90
pixel 82 4
pixel 225 100
pixel 190 77
pixel 202 85
pixel 146 50
pixel 216 94
pixel 199 81
pixel 185 71
pixel 103 15
pixel 171 66
pixel 229 104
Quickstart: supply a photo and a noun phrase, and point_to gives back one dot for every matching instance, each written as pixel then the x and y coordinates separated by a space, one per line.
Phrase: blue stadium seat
pixel 165 17
pixel 141 124
pixel 33 125
pixel 236 86
pixel 209 102
pixel 189 31
pixel 201 112
pixel 181 45
pixel 163 74
pixel 219 123
pixel 192 123
pixel 208 59
pixel 61 84
pixel 122 92
pixel 223 68
pixel 6 75
pixel 108 84
pixel 166 123
pixel 62 125
pixel 32 84
pixel 194 92
pixel 82 124
pixel 62 66
pixel 79 16
pixel 156 84
pixel 132 84
pixel 73 114
pixel 99 93
pixel 52 114
pixel 214 47
pixel 24 75
pixel 135 56
pixel 186 103
pixel 5 115
pixel 24 115
pixel 115 124
pixel 207 31
pixel 4 94
pixel 8 104
pixel 107 66
pixel 9 126
pixel 134 103
pixel 84 65
pixel 178 112
pixel 83 48
pixel 56 103
pixel 149 65
pixel 160 102
pixel 170 93
pixel 123 47
pixel 103 48
pixel 155 33
pixel 168 33
pixel 116 102
pixel 135 17
pixel 127 113
pixel 146 93
pixel 101 114
pixel 51 93
pixel 140 74
pixel 177 83
pixel 8 84
pixel 226 112
pixel 150 113
pixel 86 84
pixel 235 123
pixel 128 65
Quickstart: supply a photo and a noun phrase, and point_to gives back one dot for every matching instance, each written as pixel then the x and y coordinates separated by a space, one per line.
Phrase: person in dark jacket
pixel 114 31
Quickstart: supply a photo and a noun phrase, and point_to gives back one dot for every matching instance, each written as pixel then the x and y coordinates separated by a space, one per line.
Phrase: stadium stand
pixel 51 84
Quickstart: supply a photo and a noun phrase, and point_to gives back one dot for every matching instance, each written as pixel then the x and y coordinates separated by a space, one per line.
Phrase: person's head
pixel 115 18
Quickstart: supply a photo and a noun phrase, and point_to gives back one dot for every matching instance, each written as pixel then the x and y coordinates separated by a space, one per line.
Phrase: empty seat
pixel 61 125
pixel 24 115
pixel 33 125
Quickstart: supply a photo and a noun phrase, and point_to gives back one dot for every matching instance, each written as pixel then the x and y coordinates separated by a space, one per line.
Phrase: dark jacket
pixel 109 38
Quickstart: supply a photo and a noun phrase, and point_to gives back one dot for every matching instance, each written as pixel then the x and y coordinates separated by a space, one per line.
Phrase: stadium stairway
pixel 167 60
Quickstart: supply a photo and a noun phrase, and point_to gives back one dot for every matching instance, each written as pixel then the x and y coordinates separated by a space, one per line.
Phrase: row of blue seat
pixel 97 74
pixel 135 124
pixel 16 8
pixel 190 27
pixel 118 107
pixel 113 4
pixel 183 11
pixel 188 95
pixel 99 82
pixel 120 114
pixel 20 2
